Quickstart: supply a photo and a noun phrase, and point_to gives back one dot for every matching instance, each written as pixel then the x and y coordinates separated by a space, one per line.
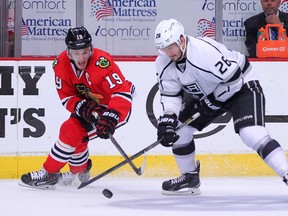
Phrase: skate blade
pixel 42 187
pixel 183 192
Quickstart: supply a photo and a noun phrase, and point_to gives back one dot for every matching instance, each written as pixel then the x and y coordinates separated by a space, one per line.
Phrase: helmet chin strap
pixel 183 50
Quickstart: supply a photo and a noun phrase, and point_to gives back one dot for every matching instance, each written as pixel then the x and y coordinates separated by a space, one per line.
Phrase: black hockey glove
pixel 86 110
pixel 107 123
pixel 208 106
pixel 166 129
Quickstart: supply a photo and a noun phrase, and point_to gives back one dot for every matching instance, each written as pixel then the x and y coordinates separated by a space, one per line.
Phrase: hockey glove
pixel 208 106
pixel 86 110
pixel 166 129
pixel 107 123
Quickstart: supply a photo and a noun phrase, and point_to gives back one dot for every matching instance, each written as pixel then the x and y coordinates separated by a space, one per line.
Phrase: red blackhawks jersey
pixel 101 81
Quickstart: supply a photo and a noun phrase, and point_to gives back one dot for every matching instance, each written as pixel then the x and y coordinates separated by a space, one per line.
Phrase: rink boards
pixel 31 114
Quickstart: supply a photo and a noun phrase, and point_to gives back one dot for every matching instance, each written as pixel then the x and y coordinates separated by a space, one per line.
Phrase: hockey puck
pixel 107 193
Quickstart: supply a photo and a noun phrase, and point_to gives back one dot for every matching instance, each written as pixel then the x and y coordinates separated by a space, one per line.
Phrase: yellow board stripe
pixel 157 165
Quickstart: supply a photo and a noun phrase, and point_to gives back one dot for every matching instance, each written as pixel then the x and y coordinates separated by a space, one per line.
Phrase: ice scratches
pixel 209 203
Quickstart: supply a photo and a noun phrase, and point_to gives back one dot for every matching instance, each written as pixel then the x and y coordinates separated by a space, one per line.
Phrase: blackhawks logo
pixel 103 62
pixel 55 62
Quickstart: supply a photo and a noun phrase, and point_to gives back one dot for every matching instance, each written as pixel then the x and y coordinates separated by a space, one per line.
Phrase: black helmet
pixel 78 38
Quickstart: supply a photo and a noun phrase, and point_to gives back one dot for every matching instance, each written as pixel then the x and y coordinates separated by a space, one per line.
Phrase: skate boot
pixel 85 176
pixel 40 179
pixel 67 178
pixel 285 179
pixel 186 184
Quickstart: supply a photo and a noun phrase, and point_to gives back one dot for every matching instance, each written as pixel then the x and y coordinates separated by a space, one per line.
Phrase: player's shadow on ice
pixel 208 203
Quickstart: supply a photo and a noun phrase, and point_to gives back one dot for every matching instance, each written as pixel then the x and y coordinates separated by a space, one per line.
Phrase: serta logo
pixel 44 5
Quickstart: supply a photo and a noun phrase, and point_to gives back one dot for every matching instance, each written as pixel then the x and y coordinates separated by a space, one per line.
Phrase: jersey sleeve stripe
pixel 162 72
pixel 162 93
pixel 235 76
pixel 126 96
pixel 246 64
pixel 210 44
pixel 64 101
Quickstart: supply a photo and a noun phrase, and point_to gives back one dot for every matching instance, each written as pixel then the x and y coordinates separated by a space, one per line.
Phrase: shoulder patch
pixel 55 62
pixel 102 62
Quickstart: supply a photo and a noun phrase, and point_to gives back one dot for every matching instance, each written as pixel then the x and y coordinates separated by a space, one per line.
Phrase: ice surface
pixel 139 196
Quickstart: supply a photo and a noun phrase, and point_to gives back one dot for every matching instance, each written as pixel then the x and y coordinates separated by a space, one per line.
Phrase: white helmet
pixel 168 32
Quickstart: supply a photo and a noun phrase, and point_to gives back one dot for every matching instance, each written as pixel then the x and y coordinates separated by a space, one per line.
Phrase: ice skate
pixel 40 179
pixel 85 176
pixel 68 178
pixel 186 184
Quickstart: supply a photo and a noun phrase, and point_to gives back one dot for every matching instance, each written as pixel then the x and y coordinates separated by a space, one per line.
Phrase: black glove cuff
pixel 212 103
pixel 79 107
pixel 112 115
pixel 168 119
pixel 87 110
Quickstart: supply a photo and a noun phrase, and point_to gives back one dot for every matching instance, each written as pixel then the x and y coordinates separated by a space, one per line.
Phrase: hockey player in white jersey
pixel 217 80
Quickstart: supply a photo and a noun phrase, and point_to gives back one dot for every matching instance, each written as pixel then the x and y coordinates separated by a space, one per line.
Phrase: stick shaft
pixel 123 153
pixel 117 166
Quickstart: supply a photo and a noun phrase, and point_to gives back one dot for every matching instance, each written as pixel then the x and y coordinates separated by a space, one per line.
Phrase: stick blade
pixel 143 165
pixel 83 185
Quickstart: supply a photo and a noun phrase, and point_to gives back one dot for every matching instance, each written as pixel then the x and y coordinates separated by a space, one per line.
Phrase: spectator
pixel 10 43
pixel 270 15
pixel 11 38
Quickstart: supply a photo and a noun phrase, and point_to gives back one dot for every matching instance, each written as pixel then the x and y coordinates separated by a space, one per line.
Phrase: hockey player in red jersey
pixel 215 80
pixel 93 89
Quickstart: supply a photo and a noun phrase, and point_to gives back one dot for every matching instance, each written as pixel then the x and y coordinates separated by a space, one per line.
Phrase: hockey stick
pixel 143 151
pixel 139 170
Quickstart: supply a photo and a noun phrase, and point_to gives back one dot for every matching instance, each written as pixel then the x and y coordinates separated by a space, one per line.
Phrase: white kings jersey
pixel 209 67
